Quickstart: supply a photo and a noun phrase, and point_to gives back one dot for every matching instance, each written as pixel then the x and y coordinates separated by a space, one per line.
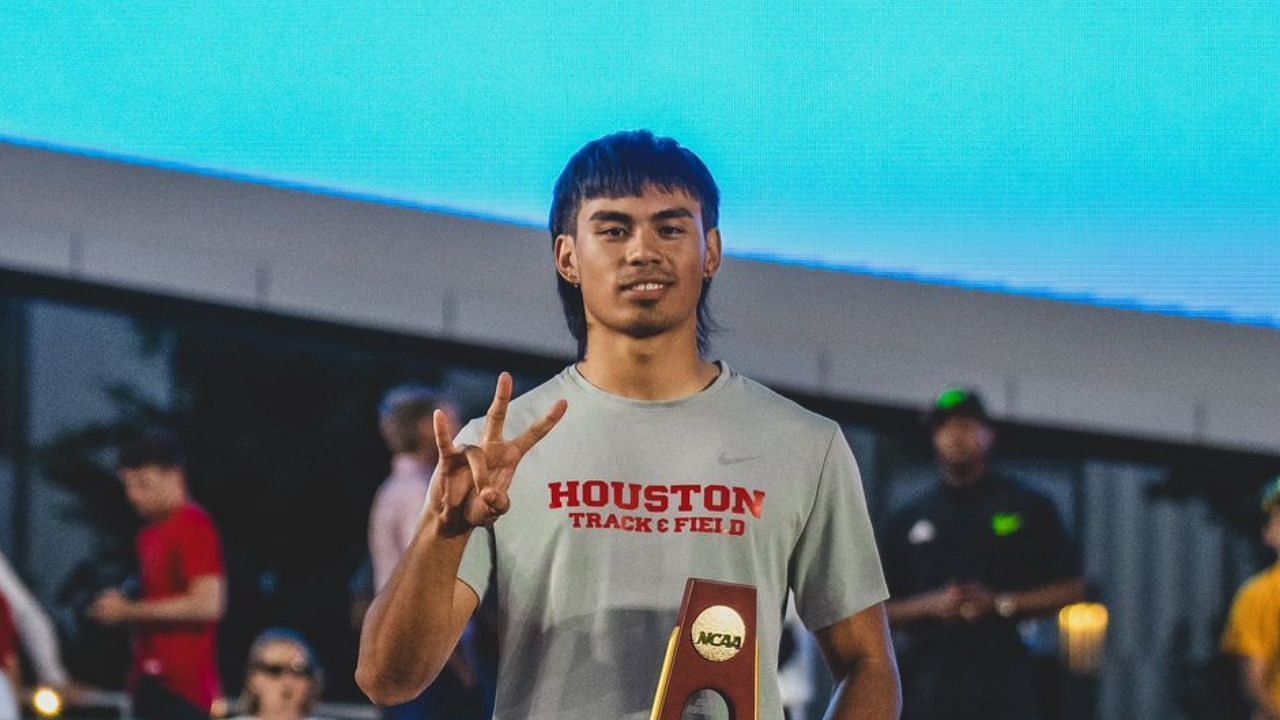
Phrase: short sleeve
pixel 476 568
pixel 1251 631
pixel 200 550
pixel 835 569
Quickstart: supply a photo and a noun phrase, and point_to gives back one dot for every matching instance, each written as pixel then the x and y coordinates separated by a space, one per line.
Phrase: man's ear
pixel 711 265
pixel 567 259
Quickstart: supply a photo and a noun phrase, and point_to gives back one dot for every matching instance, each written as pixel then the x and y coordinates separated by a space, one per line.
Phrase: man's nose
pixel 642 249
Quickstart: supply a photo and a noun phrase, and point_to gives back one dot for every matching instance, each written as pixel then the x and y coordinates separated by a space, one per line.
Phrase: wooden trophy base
pixel 712 648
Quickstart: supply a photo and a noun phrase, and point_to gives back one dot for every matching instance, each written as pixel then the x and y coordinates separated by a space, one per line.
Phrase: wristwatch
pixel 1006 606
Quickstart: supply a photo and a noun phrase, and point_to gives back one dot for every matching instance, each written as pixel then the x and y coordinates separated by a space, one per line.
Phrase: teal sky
pixel 1123 153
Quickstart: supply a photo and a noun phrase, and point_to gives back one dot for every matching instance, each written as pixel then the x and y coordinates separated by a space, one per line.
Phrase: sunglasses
pixel 279 671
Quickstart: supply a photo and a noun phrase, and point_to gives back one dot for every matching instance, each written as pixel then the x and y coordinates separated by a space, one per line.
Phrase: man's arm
pixel 860 655
pixel 204 601
pixel 978 602
pixel 34 627
pixel 1040 601
pixel 1253 676
pixel 416 620
pixel 941 604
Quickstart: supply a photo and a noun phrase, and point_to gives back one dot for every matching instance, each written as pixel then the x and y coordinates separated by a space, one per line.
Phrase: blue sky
pixel 1120 153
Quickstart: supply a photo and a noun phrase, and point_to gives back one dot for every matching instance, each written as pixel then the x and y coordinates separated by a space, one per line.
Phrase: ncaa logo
pixel 718 633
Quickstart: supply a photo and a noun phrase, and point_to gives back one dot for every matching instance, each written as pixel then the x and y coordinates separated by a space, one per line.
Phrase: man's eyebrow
pixel 672 214
pixel 610 216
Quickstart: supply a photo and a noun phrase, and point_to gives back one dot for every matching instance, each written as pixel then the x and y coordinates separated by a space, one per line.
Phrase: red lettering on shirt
pixel 697 509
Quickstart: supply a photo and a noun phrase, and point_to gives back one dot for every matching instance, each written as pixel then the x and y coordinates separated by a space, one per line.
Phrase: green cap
pixel 1271 494
pixel 955 402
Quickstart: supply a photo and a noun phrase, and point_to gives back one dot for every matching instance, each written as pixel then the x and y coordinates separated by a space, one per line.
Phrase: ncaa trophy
pixel 712 648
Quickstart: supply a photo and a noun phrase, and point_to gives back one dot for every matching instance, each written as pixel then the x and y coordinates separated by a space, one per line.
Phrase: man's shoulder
pixel 1265 584
pixel 192 515
pixel 538 399
pixel 765 403
pixel 1016 491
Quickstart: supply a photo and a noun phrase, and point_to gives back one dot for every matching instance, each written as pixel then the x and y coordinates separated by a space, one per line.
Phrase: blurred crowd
pixel 967 562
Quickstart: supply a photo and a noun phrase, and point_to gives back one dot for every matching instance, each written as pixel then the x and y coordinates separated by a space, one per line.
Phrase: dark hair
pixel 151 448
pixel 250 704
pixel 400 411
pixel 626 164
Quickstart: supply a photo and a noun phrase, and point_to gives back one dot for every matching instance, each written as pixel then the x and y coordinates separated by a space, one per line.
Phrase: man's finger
pixel 444 433
pixel 479 467
pixel 499 502
pixel 497 415
pixel 540 429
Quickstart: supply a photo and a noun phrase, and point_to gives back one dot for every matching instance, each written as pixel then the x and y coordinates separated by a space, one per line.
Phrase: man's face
pixel 641 262
pixel 1271 531
pixel 962 442
pixel 151 489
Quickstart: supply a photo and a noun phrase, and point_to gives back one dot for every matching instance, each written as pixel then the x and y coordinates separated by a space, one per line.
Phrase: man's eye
pixel 613 231
pixel 671 230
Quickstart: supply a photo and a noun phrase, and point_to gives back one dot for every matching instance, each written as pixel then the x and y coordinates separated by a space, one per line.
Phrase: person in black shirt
pixel 964 564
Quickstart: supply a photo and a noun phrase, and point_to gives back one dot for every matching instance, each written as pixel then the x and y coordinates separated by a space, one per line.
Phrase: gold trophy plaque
pixel 712 648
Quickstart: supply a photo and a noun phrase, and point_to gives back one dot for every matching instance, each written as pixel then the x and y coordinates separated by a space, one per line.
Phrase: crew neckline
pixel 575 377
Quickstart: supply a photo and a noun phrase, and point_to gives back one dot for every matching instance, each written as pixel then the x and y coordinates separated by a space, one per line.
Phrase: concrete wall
pixel 489 283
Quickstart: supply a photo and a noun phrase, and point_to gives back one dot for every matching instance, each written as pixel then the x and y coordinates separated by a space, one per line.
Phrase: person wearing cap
pixel 1253 627
pixel 965 563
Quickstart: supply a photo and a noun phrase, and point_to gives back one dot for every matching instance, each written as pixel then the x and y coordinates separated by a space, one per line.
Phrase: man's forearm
pixel 908 611
pixel 409 631
pixel 869 691
pixel 1047 598
pixel 191 607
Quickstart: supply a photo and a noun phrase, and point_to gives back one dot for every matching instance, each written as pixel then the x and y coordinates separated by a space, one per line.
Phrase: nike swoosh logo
pixel 726 460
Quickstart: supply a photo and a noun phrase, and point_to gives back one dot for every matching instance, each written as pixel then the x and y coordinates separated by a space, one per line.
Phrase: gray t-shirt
pixel 625 500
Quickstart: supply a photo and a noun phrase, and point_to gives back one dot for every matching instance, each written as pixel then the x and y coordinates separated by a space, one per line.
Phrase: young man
pixel 666 467
pixel 182 583
pixel 1253 628
pixel 965 563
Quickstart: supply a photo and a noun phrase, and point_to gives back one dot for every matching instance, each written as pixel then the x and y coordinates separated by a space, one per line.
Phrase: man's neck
pixel 964 477
pixel 657 368
pixel 168 510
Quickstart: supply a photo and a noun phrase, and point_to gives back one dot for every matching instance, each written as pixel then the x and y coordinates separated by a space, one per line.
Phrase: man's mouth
pixel 646 289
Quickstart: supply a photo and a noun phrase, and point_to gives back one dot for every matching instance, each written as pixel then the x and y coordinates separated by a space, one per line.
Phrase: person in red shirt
pixel 182 587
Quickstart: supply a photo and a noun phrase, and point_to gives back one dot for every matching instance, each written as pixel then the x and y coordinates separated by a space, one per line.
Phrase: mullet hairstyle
pixel 625 164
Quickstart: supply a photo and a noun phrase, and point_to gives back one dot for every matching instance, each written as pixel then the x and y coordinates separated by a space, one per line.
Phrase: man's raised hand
pixel 471 483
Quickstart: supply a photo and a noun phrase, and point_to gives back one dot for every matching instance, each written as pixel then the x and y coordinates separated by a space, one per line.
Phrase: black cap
pixel 154 446
pixel 957 402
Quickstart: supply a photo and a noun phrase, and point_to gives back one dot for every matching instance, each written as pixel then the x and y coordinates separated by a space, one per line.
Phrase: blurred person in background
pixel 36 632
pixel 405 420
pixel 10 677
pixel 283 679
pixel 1253 627
pixel 965 563
pixel 182 587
